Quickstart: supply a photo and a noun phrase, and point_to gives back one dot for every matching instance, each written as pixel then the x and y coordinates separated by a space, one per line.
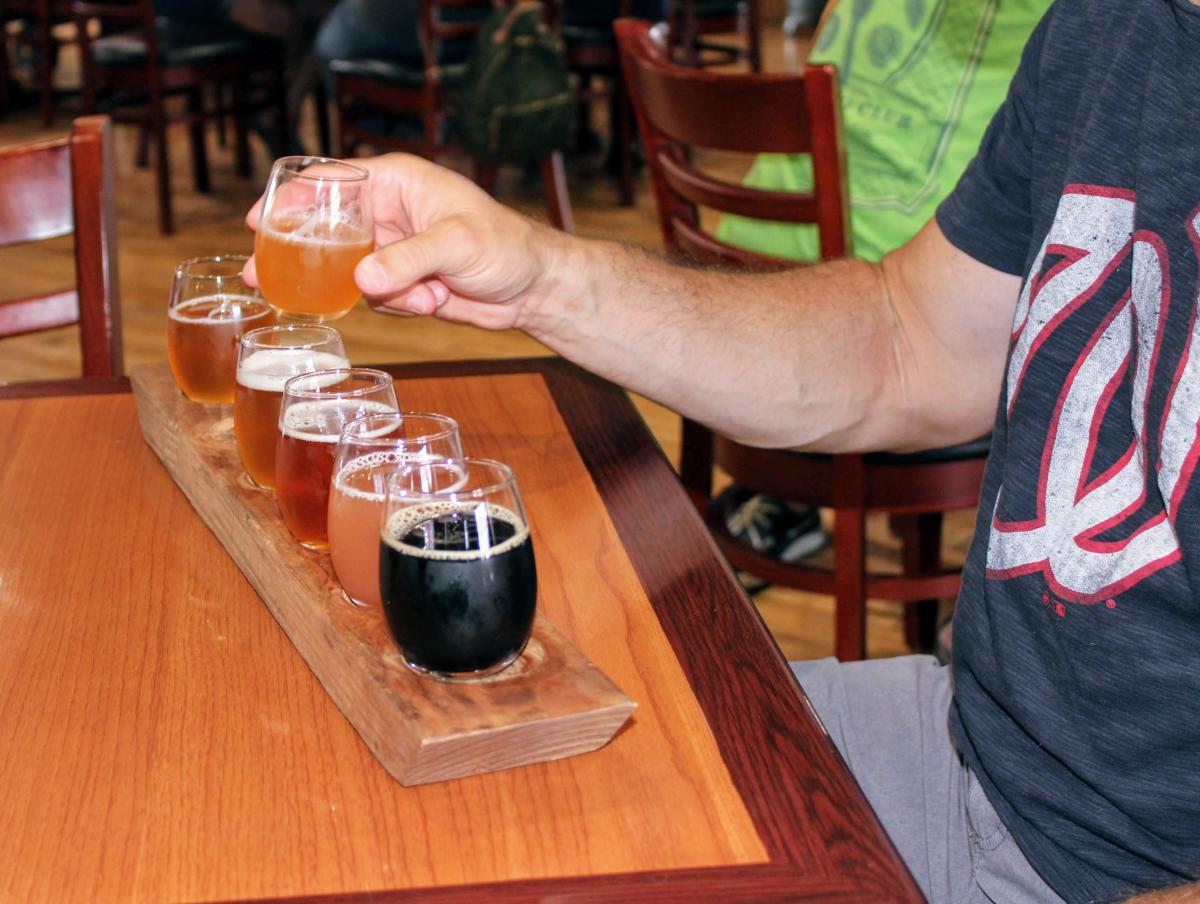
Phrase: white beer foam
pixel 382 459
pixel 268 369
pixel 403 521
pixel 225 308
pixel 322 420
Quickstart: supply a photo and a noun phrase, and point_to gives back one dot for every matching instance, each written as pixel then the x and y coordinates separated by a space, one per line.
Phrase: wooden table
pixel 164 741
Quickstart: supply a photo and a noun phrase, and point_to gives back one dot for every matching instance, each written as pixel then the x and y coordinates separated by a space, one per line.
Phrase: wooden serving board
pixel 552 703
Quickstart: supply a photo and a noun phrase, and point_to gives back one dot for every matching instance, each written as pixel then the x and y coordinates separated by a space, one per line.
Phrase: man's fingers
pixel 441 249
pixel 250 273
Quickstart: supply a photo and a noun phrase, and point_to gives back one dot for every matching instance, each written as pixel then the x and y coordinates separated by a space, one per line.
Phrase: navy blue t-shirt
pixel 1077 635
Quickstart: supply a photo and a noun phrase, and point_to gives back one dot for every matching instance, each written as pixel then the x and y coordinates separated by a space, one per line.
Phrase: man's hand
pixel 444 246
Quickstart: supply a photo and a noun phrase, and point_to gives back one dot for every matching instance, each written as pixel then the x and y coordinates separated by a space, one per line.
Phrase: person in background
pixel 1052 299
pixel 920 80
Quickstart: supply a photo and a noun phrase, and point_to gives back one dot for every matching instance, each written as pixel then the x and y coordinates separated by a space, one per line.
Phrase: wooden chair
pixel 153 58
pixel 679 109
pixel 44 15
pixel 370 89
pixel 692 20
pixel 50 189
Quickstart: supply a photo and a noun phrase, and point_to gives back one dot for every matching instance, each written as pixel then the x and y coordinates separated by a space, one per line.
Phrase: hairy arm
pixel 845 356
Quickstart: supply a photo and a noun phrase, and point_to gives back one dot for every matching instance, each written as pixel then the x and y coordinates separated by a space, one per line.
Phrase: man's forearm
pixel 798 359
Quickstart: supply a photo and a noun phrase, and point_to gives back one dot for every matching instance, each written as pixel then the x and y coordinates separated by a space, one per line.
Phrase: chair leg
pixel 195 109
pixel 622 129
pixel 141 157
pixel 922 554
pixel 558 199
pixel 241 133
pixel 166 219
pixel 849 558
pixel 753 36
pixel 46 69
pixel 221 95
pixel 321 100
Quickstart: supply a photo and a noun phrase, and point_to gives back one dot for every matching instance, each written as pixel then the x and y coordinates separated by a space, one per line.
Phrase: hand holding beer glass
pixel 370 448
pixel 456 567
pixel 315 409
pixel 267 359
pixel 316 226
pixel 210 308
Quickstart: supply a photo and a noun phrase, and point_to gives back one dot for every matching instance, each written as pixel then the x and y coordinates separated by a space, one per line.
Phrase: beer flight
pixel 436 540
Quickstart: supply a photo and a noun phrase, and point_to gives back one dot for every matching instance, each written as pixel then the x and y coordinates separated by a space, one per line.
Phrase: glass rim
pixel 508 478
pixel 451 428
pixel 183 266
pixel 288 392
pixel 289 164
pixel 330 333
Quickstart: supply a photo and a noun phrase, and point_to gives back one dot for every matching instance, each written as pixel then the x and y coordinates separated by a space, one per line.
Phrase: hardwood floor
pixel 212 223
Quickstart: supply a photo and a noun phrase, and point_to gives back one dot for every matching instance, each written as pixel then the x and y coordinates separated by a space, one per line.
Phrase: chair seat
pixel 395 73
pixel 589 34
pixel 976 448
pixel 714 8
pixel 179 44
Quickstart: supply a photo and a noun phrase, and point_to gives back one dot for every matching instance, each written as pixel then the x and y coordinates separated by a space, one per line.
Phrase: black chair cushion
pixel 396 73
pixel 601 36
pixel 179 44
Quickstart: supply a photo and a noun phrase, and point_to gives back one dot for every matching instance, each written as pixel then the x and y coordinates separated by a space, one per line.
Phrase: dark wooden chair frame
pixel 679 108
pixel 51 189
pixel 143 92
pixel 44 14
pixel 430 101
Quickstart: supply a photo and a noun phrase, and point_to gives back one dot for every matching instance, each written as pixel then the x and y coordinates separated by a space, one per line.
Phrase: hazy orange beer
pixel 210 309
pixel 315 409
pixel 316 226
pixel 267 359
pixel 369 449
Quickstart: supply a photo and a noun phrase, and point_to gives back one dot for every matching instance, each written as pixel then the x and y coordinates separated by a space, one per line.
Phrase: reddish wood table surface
pixel 164 741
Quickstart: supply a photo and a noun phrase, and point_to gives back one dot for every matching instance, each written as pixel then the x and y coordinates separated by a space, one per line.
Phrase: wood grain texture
pixel 164 739
pixel 551 703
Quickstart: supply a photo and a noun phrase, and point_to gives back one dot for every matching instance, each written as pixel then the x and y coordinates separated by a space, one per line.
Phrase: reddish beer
pixel 315 409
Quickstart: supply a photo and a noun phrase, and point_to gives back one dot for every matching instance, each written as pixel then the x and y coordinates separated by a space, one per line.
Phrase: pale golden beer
pixel 267 359
pixel 210 308
pixel 202 338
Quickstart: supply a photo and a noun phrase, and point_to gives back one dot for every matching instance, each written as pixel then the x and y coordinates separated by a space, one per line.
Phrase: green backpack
pixel 515 104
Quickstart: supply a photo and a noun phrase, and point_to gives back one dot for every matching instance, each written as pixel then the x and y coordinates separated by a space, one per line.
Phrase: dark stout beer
pixel 459 586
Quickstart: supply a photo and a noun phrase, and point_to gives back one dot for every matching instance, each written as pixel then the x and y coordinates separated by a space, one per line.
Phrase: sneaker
pixel 771 526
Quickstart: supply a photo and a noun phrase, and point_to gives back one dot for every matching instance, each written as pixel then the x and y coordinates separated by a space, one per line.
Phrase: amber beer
pixel 267 359
pixel 304 463
pixel 316 226
pixel 202 342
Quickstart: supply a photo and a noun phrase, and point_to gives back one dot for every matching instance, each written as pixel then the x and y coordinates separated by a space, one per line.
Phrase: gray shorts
pixel 890 720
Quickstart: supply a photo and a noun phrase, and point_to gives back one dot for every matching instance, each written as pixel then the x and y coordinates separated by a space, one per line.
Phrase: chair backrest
pixel 50 189
pixel 680 108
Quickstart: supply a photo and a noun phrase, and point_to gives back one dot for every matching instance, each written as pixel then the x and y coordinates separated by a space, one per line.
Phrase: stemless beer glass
pixel 316 226
pixel 315 409
pixel 367 451
pixel 456 567
pixel 210 308
pixel 268 358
